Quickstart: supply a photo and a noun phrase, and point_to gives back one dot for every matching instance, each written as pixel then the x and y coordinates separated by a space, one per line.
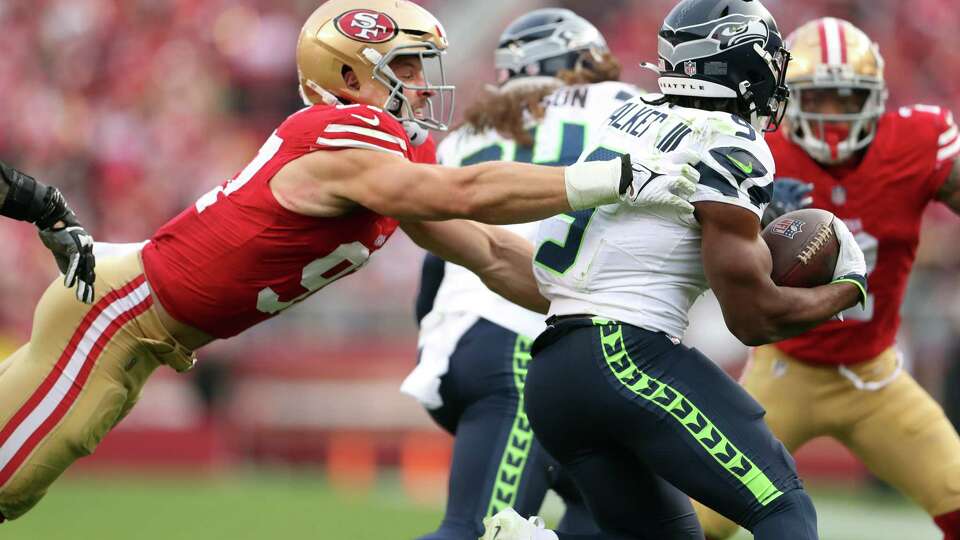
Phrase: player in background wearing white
pixel 637 419
pixel 556 83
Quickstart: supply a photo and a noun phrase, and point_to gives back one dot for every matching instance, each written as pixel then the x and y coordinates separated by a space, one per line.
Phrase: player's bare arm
pixel 332 183
pixel 738 263
pixel 327 184
pixel 502 260
pixel 949 193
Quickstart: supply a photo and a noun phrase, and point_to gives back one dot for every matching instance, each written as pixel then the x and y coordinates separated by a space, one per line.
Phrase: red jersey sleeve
pixel 325 127
pixel 935 128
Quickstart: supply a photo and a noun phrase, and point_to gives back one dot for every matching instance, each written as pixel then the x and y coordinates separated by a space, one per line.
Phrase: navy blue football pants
pixel 640 422
pixel 496 460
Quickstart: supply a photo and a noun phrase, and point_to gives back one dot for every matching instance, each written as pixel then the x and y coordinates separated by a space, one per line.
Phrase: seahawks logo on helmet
pixel 733 33
pixel 720 35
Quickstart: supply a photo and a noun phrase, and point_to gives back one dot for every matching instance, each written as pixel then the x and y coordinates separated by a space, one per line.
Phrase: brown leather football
pixel 804 247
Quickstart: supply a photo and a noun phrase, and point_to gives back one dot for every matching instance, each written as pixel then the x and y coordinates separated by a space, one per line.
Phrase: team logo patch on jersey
pixel 367 25
pixel 788 227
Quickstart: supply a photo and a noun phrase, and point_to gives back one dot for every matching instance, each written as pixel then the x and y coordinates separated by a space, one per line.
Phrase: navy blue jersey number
pixel 570 148
pixel 558 256
pixel 750 134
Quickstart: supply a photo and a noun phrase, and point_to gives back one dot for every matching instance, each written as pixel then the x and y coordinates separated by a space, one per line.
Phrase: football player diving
pixel 878 170
pixel 554 75
pixel 636 418
pixel 326 190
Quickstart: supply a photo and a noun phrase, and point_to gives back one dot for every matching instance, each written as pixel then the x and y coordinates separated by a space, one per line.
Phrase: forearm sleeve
pixel 25 199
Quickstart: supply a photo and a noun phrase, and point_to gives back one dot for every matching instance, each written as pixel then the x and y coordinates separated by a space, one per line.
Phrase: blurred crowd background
pixel 136 107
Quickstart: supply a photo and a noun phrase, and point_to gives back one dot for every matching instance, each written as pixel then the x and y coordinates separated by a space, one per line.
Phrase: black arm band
pixel 29 200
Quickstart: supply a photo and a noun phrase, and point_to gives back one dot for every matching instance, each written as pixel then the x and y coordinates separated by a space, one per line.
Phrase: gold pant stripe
pixel 51 400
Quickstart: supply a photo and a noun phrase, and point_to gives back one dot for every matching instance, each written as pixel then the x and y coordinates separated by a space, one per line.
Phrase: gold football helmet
pixel 365 36
pixel 834 54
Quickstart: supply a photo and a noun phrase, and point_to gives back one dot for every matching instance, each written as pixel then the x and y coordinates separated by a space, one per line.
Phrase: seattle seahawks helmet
pixel 725 49
pixel 538 45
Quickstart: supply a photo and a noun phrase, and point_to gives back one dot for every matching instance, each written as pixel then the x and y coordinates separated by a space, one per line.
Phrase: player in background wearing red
pixel 877 171
pixel 327 189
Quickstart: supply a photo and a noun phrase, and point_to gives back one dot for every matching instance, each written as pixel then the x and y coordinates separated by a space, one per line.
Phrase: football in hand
pixel 804 247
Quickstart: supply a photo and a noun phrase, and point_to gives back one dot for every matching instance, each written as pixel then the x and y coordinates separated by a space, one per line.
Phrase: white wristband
pixel 593 183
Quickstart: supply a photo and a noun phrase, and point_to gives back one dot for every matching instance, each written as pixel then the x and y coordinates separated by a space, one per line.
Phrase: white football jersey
pixel 641 267
pixel 571 123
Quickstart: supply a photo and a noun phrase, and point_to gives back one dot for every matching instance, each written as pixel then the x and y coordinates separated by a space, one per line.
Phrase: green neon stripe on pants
pixel 517 451
pixel 697 424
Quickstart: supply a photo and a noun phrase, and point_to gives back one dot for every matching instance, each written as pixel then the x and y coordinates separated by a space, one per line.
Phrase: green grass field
pixel 300 505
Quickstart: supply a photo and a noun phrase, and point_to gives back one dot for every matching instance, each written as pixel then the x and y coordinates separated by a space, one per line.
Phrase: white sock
pixel 544 534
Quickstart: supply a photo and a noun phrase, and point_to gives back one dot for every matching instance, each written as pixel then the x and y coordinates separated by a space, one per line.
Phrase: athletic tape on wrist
pixel 860 282
pixel 594 183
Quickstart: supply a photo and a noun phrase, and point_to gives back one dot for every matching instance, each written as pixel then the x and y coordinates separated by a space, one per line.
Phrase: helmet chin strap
pixel 417 133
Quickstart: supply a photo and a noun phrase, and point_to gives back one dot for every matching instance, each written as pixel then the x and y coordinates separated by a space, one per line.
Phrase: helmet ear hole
pixel 350 78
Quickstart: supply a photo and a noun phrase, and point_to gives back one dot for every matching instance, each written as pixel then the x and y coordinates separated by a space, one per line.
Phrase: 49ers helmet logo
pixel 367 25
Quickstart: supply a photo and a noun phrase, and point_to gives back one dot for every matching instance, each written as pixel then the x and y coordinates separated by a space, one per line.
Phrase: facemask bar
pixel 812 125
pixel 777 104
pixel 439 108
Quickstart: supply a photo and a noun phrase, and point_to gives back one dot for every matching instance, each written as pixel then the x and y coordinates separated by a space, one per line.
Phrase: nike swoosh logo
pixel 747 169
pixel 375 121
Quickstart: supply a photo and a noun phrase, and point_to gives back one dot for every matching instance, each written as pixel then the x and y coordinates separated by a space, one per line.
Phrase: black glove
pixel 789 194
pixel 25 199
pixel 72 247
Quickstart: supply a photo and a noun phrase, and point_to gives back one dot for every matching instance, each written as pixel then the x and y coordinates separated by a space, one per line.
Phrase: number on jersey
pixel 558 255
pixel 266 153
pixel 346 259
pixel 568 150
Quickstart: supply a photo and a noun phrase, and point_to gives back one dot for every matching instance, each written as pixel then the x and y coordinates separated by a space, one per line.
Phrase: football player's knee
pixel 88 432
pixel 715 526
pixel 687 528
pixel 791 516
pixel 18 496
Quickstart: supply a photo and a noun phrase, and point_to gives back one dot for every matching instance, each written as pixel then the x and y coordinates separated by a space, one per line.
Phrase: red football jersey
pixel 882 200
pixel 236 257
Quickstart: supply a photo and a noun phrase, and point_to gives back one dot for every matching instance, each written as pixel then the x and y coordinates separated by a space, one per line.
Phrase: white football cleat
pixel 507 524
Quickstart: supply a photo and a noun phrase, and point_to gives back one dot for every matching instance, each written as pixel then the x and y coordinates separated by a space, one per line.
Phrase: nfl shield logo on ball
pixel 788 227
pixel 690 68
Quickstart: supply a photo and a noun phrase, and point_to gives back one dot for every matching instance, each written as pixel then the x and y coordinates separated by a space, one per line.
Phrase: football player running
pixel 325 191
pixel 555 73
pixel 637 419
pixel 877 171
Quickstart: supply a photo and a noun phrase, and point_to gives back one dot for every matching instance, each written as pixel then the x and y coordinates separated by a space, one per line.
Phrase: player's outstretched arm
pixel 738 263
pixel 24 199
pixel 494 192
pixel 502 260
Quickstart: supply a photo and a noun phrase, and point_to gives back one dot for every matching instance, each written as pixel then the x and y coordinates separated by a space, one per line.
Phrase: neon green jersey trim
pixel 517 452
